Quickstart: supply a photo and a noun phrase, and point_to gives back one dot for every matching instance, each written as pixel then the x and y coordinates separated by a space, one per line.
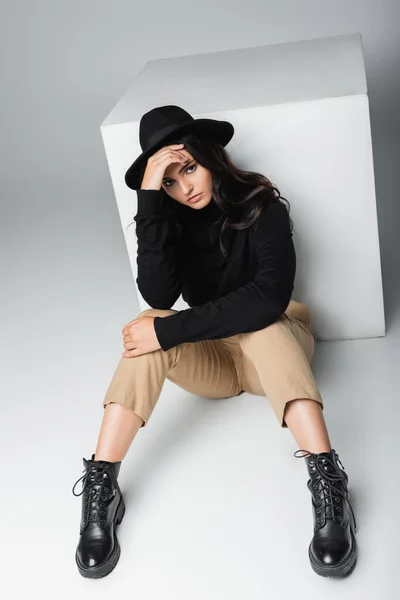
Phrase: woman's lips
pixel 196 198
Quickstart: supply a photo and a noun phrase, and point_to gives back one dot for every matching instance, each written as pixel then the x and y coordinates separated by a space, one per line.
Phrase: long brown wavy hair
pixel 233 188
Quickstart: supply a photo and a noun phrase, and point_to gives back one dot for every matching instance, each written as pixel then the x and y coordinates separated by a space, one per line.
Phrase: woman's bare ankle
pixel 108 459
pixel 119 426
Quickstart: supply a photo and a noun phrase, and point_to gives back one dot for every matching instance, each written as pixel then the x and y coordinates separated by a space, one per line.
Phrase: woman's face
pixel 182 181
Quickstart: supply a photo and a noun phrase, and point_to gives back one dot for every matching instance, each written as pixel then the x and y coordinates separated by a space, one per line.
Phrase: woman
pixel 221 237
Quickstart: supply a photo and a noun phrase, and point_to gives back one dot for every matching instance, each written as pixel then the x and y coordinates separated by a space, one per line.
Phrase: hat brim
pixel 221 131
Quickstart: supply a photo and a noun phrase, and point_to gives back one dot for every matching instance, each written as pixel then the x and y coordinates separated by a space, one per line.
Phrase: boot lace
pixel 95 480
pixel 326 486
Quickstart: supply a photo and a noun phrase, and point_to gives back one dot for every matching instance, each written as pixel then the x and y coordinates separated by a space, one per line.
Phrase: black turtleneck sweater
pixel 179 253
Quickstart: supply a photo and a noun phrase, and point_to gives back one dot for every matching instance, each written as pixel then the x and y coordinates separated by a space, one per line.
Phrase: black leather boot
pixel 103 509
pixel 332 551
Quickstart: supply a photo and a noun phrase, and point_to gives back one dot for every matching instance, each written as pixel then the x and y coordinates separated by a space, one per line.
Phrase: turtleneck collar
pixel 211 211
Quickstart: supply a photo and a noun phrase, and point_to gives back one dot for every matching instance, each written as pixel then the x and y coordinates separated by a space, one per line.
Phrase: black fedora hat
pixel 165 122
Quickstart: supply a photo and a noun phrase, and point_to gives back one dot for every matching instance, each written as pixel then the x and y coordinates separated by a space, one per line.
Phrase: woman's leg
pixel 119 426
pixel 304 416
pixel 276 363
pixel 306 422
pixel 121 420
pixel 203 368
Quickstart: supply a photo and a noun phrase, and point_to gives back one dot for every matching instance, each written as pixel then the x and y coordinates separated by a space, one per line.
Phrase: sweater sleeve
pixel 251 307
pixel 159 278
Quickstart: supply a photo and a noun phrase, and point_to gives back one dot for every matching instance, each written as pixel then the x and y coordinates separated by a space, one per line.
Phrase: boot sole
pixel 343 569
pixel 106 567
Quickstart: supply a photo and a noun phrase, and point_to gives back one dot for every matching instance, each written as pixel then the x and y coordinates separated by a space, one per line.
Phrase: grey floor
pixel 216 504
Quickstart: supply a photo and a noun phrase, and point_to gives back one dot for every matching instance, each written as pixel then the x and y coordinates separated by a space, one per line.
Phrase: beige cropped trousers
pixel 272 362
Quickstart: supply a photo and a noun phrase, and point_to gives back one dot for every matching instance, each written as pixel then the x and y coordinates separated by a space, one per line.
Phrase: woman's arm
pixel 159 278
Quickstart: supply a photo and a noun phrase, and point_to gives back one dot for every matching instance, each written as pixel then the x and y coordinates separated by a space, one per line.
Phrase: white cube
pixel 301 117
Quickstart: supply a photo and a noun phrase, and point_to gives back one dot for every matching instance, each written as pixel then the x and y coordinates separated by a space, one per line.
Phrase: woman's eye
pixel 168 180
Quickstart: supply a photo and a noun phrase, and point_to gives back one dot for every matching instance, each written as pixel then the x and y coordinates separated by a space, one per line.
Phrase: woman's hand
pixel 140 337
pixel 158 162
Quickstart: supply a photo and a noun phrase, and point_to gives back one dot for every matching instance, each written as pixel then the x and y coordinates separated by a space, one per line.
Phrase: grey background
pixel 66 65
pixel 66 283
